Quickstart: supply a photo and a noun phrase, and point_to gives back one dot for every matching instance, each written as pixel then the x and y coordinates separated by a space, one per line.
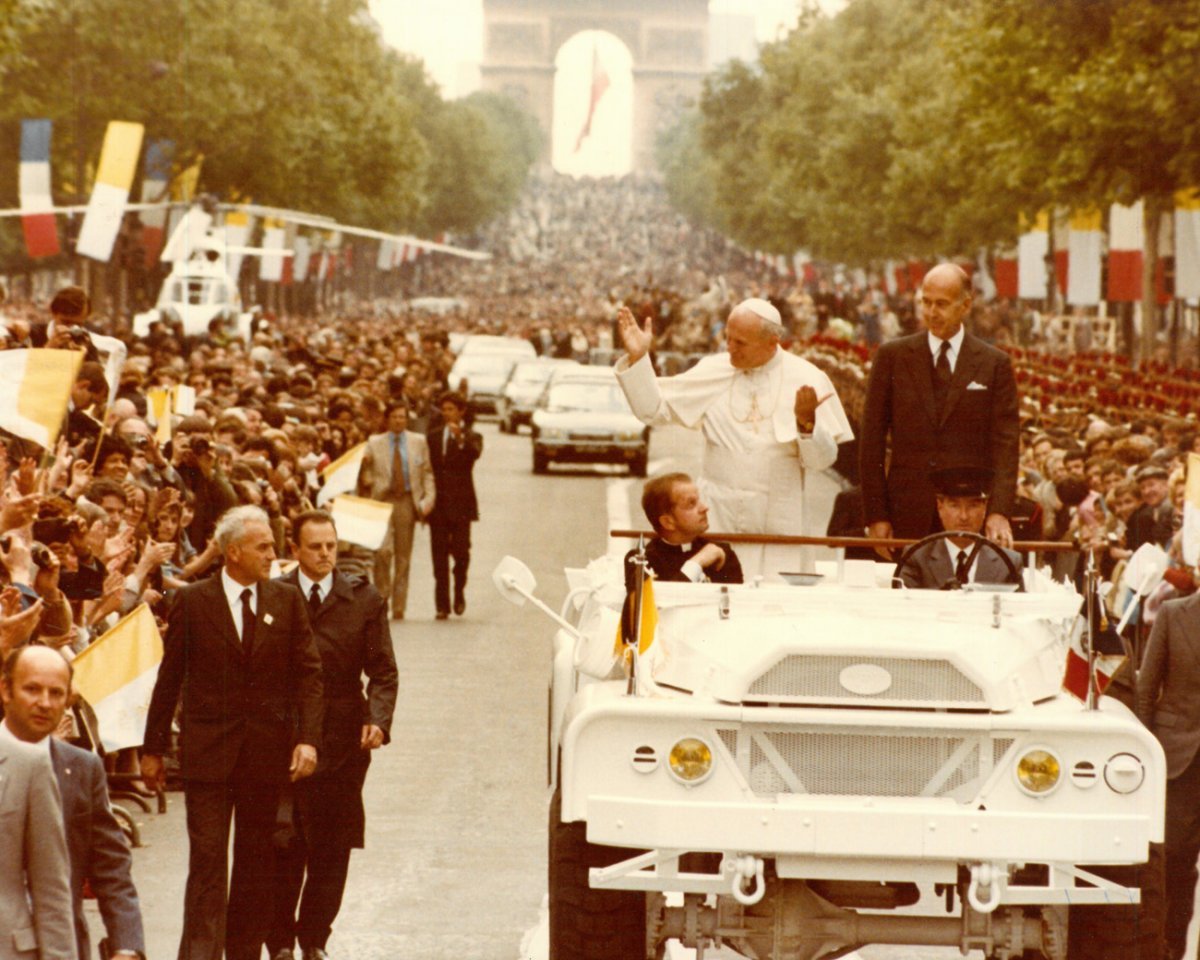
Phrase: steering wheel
pixel 979 540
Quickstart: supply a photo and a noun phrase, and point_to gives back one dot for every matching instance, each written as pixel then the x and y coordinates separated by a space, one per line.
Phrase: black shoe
pixel 315 953
pixel 460 606
pixel 443 614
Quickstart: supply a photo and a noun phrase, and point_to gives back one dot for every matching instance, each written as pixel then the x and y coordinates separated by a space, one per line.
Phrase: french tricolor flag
pixel 156 186
pixel 37 208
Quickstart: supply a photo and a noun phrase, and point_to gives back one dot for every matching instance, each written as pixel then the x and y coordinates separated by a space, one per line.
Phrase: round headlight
pixel 1038 771
pixel 690 760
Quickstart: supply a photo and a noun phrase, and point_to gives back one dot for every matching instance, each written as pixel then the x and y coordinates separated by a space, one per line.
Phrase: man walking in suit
pixel 395 469
pixel 349 619
pixel 962 504
pixel 240 650
pixel 453 450
pixel 680 551
pixel 946 399
pixel 1167 704
pixel 35 896
pixel 36 687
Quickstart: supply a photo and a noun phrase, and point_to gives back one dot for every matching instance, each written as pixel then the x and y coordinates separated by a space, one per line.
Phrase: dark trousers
pixel 1183 848
pixel 310 872
pixel 449 538
pixel 212 922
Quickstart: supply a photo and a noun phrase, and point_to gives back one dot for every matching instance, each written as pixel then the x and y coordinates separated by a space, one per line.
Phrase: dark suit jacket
pixel 452 465
pixel 352 635
pixel 667 560
pixel 1166 684
pixel 978 428
pixel 98 850
pixel 929 567
pixel 242 710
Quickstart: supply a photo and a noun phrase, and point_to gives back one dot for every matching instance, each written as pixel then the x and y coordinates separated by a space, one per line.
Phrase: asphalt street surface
pixel 455 860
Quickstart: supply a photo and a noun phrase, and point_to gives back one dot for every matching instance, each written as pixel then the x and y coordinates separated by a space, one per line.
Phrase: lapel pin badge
pixel 267 618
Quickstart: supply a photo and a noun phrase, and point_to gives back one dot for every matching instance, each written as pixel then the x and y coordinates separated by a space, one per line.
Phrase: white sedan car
pixel 583 417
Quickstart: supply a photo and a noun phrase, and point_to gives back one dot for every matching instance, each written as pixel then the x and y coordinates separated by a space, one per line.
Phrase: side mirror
pixel 514 580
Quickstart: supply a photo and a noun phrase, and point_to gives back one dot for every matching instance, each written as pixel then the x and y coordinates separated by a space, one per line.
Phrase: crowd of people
pixel 126 508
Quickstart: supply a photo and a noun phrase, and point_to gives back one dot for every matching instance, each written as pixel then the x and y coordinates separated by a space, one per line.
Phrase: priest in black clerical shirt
pixel 680 551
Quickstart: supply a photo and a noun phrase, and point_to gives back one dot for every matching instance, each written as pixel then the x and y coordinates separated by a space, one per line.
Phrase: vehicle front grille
pixel 847 762
pixel 817 679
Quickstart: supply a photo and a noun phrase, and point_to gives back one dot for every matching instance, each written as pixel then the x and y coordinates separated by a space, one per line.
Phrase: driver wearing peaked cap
pixel 947 563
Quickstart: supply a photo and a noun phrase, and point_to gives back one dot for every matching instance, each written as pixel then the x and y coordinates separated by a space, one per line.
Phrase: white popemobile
pixel 783 766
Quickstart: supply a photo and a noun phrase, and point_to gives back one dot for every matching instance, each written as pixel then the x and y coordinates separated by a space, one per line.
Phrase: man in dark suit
pixel 962 504
pixel 350 622
pixel 453 450
pixel 1167 704
pixel 240 649
pixel 946 399
pixel 36 688
pixel 681 552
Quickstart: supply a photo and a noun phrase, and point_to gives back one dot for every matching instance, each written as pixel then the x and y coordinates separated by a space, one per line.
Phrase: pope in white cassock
pixel 768 417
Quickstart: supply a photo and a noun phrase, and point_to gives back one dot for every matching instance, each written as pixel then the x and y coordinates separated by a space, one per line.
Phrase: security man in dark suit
pixel 453 449
pixel 36 688
pixel 958 561
pixel 349 619
pixel 1167 704
pixel 946 399
pixel 240 649
pixel 681 552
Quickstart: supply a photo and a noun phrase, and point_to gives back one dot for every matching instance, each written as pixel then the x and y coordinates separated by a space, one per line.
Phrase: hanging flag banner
pixel 114 178
pixel 1191 511
pixel 271 267
pixel 387 253
pixel 1125 244
pixel 156 188
pixel 361 521
pixel 1187 244
pixel 302 259
pixel 341 476
pixel 1032 247
pixel 37 206
pixel 35 386
pixel 600 84
pixel 1084 242
pixel 238 226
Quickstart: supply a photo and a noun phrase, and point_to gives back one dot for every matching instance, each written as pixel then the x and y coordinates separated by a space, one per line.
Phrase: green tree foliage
pixel 293 104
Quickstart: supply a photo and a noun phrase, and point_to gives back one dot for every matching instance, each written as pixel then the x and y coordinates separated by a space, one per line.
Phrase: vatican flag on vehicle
pixel 649 619
pixel 341 476
pixel 35 386
pixel 361 521
pixel 116 676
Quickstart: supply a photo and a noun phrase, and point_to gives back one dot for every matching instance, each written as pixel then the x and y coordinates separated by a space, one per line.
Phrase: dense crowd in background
pixel 123 509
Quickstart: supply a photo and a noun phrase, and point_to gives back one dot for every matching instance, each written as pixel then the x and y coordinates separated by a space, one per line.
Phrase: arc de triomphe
pixel 667 38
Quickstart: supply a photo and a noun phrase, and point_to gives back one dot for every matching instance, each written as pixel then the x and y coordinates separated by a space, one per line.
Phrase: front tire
pixel 541 462
pixel 587 924
pixel 639 464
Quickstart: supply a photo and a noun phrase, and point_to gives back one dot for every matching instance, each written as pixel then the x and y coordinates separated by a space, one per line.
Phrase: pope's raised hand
pixel 636 340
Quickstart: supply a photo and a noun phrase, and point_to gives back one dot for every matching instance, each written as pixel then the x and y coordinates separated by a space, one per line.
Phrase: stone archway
pixel 668 40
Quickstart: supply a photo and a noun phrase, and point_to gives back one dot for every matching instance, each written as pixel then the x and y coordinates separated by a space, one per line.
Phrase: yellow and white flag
pixel 271 265
pixel 1191 511
pixel 158 403
pixel 341 476
pixel 35 386
pixel 1032 247
pixel 1084 244
pixel 114 179
pixel 361 521
pixel 1187 244
pixel 116 676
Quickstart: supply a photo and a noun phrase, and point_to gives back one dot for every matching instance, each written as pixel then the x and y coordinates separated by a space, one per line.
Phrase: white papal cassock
pixel 755 459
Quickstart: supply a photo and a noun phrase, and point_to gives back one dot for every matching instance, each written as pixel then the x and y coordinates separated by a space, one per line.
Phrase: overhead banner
pixel 1032 248
pixel 110 194
pixel 37 206
pixel 1125 244
pixel 271 267
pixel 1084 242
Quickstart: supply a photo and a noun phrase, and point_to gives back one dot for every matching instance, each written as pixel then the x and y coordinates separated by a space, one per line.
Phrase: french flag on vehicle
pixel 37 207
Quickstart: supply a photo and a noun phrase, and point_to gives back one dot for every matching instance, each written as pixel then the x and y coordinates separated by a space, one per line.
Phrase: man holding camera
pixel 195 459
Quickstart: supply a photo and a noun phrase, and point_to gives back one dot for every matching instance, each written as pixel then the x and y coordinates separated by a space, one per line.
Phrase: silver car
pixel 583 417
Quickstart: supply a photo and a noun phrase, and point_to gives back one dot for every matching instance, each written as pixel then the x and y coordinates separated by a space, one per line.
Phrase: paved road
pixel 454 866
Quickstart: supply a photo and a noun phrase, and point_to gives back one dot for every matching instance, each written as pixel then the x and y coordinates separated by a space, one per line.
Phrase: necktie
pixel 961 568
pixel 399 468
pixel 314 601
pixel 941 376
pixel 247 620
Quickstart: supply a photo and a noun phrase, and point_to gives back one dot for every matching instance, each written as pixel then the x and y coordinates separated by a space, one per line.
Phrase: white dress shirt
pixel 233 595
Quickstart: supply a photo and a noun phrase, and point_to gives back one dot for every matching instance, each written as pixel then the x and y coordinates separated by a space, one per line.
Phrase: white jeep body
pixel 857 734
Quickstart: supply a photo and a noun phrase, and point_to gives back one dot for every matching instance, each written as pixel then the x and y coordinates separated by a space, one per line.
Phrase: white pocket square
pixel 976 386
